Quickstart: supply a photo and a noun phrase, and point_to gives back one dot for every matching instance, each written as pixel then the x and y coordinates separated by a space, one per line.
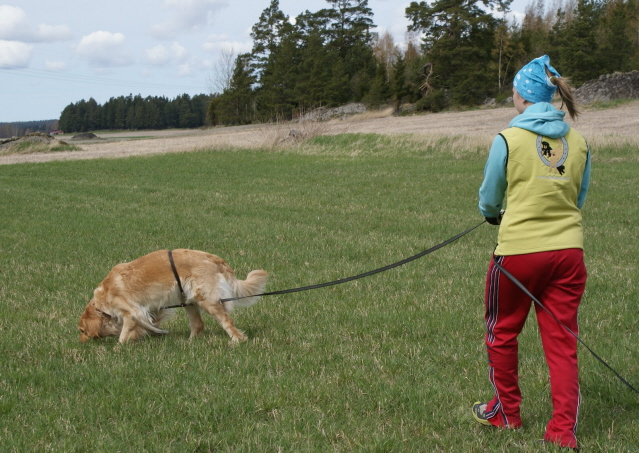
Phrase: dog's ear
pixel 90 324
pixel 99 309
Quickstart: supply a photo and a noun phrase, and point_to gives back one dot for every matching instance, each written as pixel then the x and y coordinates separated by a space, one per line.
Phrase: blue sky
pixel 56 53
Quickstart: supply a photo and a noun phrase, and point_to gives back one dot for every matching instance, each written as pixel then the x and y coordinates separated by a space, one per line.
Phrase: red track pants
pixel 557 279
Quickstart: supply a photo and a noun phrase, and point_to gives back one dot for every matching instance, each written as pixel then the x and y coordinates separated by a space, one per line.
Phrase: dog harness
pixel 177 278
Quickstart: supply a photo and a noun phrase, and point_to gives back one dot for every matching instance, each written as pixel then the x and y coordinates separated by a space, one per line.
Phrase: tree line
pixel 135 112
pixel 457 53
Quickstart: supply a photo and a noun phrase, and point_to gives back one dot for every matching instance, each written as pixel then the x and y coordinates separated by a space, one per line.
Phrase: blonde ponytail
pixel 566 94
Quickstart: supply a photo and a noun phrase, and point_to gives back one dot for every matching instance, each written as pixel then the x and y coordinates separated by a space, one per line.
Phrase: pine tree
pixel 350 35
pixel 381 90
pixel 237 104
pixel 314 71
pixel 267 35
pixel 619 32
pixel 576 43
pixel 276 90
pixel 458 40
pixel 400 88
pixel 69 119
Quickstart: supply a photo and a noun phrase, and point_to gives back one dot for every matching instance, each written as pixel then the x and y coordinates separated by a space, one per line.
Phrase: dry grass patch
pixel 287 134
pixel 613 147
pixel 36 142
pixel 370 115
pixel 398 145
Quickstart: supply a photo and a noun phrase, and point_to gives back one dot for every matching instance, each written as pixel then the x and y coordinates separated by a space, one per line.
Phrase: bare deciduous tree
pixel 385 51
pixel 220 78
pixel 412 51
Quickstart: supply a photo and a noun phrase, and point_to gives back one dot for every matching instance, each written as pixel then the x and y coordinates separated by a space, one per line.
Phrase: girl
pixel 540 166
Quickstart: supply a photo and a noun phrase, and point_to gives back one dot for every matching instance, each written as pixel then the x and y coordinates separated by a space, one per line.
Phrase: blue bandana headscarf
pixel 533 84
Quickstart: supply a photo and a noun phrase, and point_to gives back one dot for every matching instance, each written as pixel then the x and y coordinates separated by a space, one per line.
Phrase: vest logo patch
pixel 552 158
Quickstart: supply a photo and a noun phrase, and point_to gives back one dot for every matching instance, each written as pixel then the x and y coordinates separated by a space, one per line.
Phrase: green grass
pixel 60 148
pixel 390 363
pixel 604 105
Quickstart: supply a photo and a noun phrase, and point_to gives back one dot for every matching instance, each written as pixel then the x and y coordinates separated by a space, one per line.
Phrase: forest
pixel 457 53
pixel 135 112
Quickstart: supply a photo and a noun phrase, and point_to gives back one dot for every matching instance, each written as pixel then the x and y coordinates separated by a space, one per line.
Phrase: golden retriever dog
pixel 130 302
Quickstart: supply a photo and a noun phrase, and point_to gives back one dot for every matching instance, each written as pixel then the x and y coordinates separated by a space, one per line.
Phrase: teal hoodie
pixel 541 118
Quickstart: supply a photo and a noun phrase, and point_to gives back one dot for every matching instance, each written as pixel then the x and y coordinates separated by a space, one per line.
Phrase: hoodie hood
pixel 542 118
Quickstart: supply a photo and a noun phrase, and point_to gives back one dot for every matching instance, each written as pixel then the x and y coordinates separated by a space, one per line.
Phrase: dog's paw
pixel 194 336
pixel 239 338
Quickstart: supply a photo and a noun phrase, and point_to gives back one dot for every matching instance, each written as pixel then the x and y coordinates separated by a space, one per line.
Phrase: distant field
pixel 615 123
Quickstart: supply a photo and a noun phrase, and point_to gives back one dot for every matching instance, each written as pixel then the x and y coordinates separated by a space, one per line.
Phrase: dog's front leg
pixel 128 329
pixel 195 320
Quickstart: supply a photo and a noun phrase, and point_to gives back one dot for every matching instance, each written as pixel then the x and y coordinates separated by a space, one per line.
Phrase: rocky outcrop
pixel 323 114
pixel 610 87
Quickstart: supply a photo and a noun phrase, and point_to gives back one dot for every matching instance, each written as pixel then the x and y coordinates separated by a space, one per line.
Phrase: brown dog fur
pixel 129 302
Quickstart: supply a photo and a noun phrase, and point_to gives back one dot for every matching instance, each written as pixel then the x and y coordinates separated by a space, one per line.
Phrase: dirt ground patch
pixel 619 124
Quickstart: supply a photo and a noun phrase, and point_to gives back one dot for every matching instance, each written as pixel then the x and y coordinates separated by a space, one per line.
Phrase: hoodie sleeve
pixel 585 183
pixel 493 188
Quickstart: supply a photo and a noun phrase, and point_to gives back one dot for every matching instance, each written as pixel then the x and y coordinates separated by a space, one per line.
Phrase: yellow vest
pixel 544 177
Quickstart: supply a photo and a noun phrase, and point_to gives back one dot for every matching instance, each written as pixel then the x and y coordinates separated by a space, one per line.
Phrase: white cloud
pixel 187 16
pixel 186 69
pixel 175 57
pixel 161 55
pixel 14 54
pixel 180 53
pixel 104 49
pixel 216 43
pixel 15 26
pixel 50 33
pixel 55 66
pixel 13 21
pixel 193 66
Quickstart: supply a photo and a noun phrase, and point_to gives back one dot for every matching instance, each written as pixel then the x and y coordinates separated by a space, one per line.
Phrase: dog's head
pixel 96 323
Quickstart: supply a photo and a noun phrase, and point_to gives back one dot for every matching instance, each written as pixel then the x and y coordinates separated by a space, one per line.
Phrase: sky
pixel 53 54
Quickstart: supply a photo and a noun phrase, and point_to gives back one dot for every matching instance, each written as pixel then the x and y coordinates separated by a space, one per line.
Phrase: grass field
pixel 390 363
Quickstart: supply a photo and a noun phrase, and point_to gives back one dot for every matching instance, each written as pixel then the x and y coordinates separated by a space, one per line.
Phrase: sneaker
pixel 479 413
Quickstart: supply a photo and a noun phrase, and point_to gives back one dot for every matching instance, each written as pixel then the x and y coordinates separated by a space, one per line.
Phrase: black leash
pixel 365 274
pixel 400 263
pixel 523 288
pixel 177 279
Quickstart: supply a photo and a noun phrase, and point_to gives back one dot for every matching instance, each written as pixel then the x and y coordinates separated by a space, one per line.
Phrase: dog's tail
pixel 254 284
pixel 150 321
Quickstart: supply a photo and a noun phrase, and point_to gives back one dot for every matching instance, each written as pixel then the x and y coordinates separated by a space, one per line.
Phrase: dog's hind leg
pixel 195 320
pixel 217 310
